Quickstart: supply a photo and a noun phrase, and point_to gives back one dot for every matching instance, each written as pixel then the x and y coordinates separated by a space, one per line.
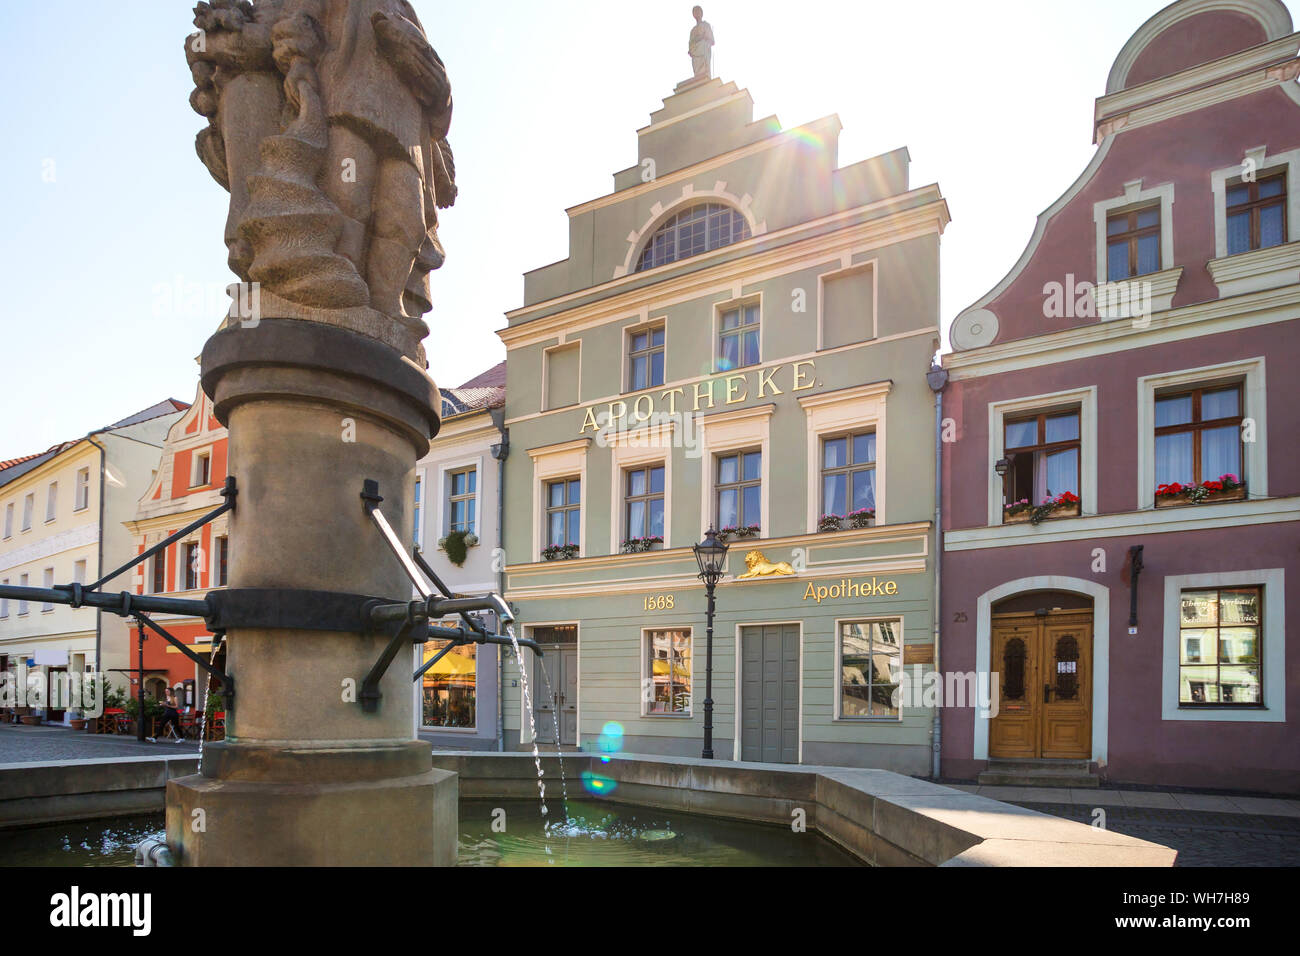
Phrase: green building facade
pixel 738 338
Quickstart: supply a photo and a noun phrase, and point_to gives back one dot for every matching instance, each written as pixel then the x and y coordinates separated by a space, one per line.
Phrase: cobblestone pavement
pixel 1201 838
pixel 19 744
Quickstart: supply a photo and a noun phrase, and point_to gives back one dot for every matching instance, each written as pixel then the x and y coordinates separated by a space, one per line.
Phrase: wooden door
pixel 1044 667
pixel 1014 731
pixel 569 696
pixel 769 693
pixel 555 694
pixel 1067 687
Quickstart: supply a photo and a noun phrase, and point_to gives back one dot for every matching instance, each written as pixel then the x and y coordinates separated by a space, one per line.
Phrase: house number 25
pixel 657 602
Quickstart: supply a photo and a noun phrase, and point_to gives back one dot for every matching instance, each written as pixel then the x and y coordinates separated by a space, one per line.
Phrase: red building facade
pixel 187 485
pixel 1121 489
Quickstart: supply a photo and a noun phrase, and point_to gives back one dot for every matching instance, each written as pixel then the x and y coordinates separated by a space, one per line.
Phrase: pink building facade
pixel 1121 481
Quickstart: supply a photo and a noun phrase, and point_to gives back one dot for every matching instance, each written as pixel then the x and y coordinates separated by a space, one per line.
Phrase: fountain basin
pixel 880 817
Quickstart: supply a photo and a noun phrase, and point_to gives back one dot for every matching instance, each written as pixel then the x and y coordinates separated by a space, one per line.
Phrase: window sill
pixel 869 720
pixel 1194 708
pixel 1256 270
pixel 667 716
pixel 81 509
pixel 1153 292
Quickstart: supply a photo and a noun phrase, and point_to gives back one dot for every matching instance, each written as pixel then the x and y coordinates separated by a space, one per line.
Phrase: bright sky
pixel 994 101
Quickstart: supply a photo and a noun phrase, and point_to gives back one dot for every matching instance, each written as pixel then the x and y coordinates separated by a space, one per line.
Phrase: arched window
pixel 698 229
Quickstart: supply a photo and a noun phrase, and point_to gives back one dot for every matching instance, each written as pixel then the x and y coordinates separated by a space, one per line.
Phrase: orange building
pixel 186 485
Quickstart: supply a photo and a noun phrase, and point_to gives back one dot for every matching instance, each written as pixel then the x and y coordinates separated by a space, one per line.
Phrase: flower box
pixel 1225 488
pixel 639 545
pixel 733 531
pixel 559 552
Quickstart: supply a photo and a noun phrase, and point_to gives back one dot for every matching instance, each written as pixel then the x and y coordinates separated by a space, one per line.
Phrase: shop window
pixel 1219 647
pixel 871 660
pixel 668 672
pixel 449 689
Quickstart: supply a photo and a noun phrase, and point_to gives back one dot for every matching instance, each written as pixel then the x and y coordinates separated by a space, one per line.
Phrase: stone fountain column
pixel 329 117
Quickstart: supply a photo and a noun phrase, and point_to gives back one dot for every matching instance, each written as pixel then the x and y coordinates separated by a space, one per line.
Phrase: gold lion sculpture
pixel 758 566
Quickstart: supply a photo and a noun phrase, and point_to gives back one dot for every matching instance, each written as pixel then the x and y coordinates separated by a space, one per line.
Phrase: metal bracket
pixel 414 616
pixel 227 682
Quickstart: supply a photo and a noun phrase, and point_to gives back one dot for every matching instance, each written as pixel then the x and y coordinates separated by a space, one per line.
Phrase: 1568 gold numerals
pixel 657 602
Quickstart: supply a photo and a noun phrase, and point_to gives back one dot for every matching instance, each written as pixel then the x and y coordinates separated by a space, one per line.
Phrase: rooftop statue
pixel 327 123
pixel 701 46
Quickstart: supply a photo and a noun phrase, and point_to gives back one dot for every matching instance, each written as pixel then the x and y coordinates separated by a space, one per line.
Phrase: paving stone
pixel 20 744
pixel 1143 798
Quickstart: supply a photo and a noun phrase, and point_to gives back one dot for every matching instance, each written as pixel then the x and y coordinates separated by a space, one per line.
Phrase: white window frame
pixel 1254 405
pixel 29 510
pixel 1272 639
pixel 9 519
pixel 420 507
pixel 195 458
pixel 636 328
pixel 723 432
pixel 4 601
pixel 736 302
pixel 81 492
pixel 1265 165
pixel 837 707
pixel 51 501
pixel 79 571
pixel 645 676
pixel 445 471
pixel 551 463
pixel 24 607
pixel 217 550
pixel 1089 449
pixel 637 448
pixel 47 582
pixel 845 269
pixel 183 564
pixel 1135 195
pixel 860 408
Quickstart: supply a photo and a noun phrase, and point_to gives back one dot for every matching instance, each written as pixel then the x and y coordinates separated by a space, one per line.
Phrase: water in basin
pixel 597 833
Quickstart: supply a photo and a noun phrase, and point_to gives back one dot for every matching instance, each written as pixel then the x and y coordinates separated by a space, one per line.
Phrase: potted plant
pixel 152 711
pixel 828 523
pixel 559 552
pixel 738 531
pixel 638 545
pixel 457 545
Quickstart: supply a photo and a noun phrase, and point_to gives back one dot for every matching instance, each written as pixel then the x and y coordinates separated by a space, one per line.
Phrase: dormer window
pixel 698 229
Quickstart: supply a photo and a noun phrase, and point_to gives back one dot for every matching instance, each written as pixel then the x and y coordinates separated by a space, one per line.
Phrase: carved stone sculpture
pixel 327 123
pixel 701 45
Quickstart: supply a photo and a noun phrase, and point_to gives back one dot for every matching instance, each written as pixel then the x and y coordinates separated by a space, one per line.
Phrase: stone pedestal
pixel 305 776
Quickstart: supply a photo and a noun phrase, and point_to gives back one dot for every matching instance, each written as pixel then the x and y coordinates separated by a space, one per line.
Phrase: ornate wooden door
pixel 1067 686
pixel 1044 667
pixel 1014 731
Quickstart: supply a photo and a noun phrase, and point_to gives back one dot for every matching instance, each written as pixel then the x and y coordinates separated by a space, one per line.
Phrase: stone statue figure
pixel 327 123
pixel 701 46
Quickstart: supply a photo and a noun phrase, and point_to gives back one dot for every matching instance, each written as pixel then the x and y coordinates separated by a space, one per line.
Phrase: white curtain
pixel 1174 458
pixel 1220 453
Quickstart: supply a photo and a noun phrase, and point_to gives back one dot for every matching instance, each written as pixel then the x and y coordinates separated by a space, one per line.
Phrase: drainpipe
pixel 99 569
pixel 500 452
pixel 937 378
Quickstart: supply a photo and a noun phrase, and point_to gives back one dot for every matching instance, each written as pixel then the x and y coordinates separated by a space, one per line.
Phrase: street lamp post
pixel 711 555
